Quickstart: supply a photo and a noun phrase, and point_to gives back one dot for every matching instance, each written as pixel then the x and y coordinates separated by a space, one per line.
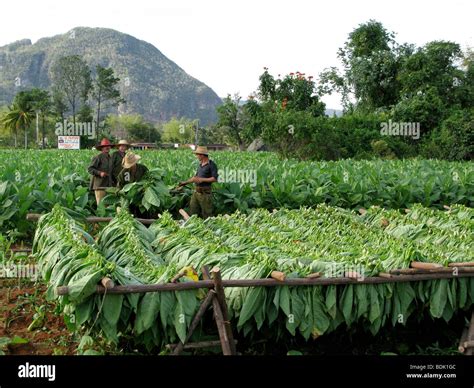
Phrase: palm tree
pixel 19 117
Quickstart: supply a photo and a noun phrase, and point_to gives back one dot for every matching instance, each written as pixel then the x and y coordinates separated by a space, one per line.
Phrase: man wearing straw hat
pixel 117 158
pixel 101 170
pixel 206 175
pixel 131 171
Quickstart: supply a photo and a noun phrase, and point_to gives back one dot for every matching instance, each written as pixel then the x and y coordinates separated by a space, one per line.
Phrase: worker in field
pixel 117 157
pixel 101 170
pixel 131 170
pixel 206 175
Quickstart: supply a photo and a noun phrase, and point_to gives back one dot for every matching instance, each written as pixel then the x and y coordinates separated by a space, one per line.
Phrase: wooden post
pixel 278 275
pixel 463 339
pixel 422 265
pixel 184 214
pixel 202 309
pixel 470 336
pixel 219 289
pixel 227 348
pixel 107 283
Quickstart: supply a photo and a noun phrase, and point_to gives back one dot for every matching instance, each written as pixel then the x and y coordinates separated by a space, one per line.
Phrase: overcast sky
pixel 226 44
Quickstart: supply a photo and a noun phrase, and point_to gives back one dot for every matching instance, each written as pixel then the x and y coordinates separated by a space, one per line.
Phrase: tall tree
pixel 231 120
pixel 105 91
pixel 72 76
pixel 132 126
pixel 371 60
pixel 20 116
pixel 41 104
pixel 59 105
pixel 178 131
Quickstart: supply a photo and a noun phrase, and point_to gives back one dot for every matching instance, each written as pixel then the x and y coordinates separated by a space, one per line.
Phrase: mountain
pixel 151 84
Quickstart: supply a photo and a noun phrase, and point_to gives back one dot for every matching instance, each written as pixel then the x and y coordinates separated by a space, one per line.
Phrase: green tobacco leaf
pixel 112 308
pixel 148 311
pixel 167 305
pixel 375 311
pixel 84 287
pixel 331 301
pixel 284 300
pixel 347 304
pixel 251 304
pixel 151 197
pixel 439 297
pixel 83 311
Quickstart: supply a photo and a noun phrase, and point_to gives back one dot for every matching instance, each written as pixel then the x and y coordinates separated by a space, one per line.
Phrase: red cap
pixel 104 143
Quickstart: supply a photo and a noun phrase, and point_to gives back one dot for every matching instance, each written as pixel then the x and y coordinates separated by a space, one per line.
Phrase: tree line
pixel 381 83
pixel 75 94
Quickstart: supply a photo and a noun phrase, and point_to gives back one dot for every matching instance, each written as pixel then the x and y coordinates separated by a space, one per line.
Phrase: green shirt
pixel 130 175
pixel 117 158
pixel 101 163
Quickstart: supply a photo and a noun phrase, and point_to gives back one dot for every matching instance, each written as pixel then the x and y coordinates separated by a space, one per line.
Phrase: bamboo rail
pixel 93 219
pixel 142 288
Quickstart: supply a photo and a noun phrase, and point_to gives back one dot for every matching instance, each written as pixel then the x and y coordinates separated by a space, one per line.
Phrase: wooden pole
pixel 92 219
pixel 465 264
pixel 220 294
pixel 141 288
pixel 277 275
pixel 463 339
pixel 468 344
pixel 107 283
pixel 197 318
pixel 470 336
pixel 184 214
pixel 219 318
pixel 447 270
pixel 422 265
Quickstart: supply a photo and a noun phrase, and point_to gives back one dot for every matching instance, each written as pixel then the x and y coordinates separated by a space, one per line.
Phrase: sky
pixel 226 44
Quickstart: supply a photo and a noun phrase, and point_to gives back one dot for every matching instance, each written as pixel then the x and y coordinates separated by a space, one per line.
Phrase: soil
pixel 18 304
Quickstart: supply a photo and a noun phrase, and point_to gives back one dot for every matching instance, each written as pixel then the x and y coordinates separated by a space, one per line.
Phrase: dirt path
pixel 19 302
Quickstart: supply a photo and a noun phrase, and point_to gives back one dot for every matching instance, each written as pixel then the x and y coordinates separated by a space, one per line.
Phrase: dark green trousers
pixel 201 204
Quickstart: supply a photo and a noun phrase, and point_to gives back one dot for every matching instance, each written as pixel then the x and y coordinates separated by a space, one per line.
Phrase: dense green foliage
pixel 329 240
pixel 428 89
pixel 35 181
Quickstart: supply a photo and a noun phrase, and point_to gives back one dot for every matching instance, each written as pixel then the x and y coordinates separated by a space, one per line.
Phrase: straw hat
pixel 122 142
pixel 104 143
pixel 201 151
pixel 130 159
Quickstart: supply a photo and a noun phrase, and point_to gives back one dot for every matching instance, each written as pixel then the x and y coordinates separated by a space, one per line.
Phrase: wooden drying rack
pixel 212 280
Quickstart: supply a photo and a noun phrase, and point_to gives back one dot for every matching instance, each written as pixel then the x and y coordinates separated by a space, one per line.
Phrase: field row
pixel 34 181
